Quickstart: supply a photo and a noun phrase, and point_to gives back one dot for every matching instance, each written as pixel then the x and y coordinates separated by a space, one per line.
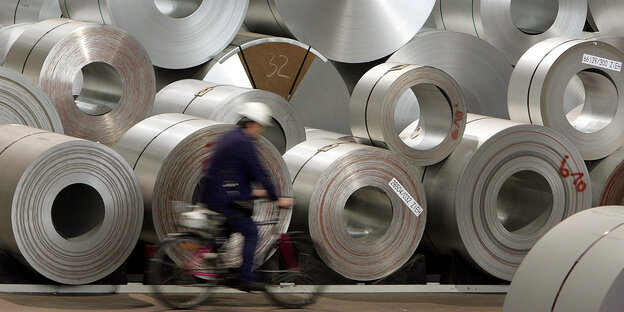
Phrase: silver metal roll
pixel 168 153
pixel 505 185
pixel 22 102
pixel 24 11
pixel 577 266
pixel 221 103
pixel 350 31
pixel 607 176
pixel 312 133
pixel 290 69
pixel 176 34
pixel 513 26
pixel 539 82
pixel 8 35
pixel 117 87
pixel 71 209
pixel 607 15
pixel 363 209
pixel 377 117
pixel 480 70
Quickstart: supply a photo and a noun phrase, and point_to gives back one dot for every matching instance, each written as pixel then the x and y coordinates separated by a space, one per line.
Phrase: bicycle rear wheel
pixel 183 285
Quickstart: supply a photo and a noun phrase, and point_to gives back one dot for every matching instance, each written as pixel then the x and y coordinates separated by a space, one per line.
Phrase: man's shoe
pixel 251 286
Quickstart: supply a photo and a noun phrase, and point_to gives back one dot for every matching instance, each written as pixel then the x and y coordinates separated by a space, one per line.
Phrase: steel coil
pixel 117 89
pixel 362 207
pixel 24 11
pixel 221 103
pixel 377 117
pixel 346 31
pixel 480 70
pixel 607 177
pixel 513 26
pixel 22 102
pixel 168 153
pixel 505 185
pixel 607 15
pixel 312 133
pixel 70 208
pixel 577 266
pixel 8 36
pixel 541 77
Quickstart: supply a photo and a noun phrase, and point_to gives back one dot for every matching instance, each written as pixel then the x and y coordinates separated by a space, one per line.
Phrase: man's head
pixel 255 116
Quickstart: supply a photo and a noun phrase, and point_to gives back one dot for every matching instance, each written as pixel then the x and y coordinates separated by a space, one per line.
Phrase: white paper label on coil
pixel 602 62
pixel 406 197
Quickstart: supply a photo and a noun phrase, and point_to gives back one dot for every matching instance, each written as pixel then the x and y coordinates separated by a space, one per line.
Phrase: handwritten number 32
pixel 278 69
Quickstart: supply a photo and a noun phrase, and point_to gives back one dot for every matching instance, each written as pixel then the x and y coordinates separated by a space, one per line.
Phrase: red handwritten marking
pixel 459 115
pixel 581 186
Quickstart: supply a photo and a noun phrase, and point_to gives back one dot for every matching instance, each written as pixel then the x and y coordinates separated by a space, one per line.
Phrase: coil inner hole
pixel 100 89
pixel 596 100
pixel 77 210
pixel 524 203
pixel 534 17
pixel 177 8
pixel 368 214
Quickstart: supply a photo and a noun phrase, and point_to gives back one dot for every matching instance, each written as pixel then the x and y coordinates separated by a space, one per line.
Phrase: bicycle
pixel 192 259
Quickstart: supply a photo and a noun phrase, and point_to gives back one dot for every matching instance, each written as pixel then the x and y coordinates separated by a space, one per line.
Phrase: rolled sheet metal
pixel 480 70
pixel 350 31
pixel 8 35
pixel 176 34
pixel 607 176
pixel 169 152
pixel 22 102
pixel 362 207
pixel 505 185
pixel 607 15
pixel 539 82
pixel 312 133
pixel 290 69
pixel 71 209
pixel 513 26
pixel 117 87
pixel 577 266
pixel 377 117
pixel 221 103
pixel 24 11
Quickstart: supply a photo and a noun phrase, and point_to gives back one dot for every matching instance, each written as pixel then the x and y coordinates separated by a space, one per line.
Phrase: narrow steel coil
pixel 362 207
pixel 71 209
pixel 539 82
pixel 577 266
pixel 221 103
pixel 169 152
pixel 607 15
pixel 505 185
pixel 607 177
pixel 24 11
pixel 350 31
pixel 480 70
pixel 513 26
pixel 8 36
pixel 377 116
pixel 117 77
pixel 176 34
pixel 22 102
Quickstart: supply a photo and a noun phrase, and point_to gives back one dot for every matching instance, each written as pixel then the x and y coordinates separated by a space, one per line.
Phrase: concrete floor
pixel 405 302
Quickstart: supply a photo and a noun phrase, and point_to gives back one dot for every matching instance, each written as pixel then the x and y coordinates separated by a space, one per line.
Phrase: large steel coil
pixel 71 209
pixel 361 205
pixel 176 34
pixel 607 177
pixel 22 102
pixel 312 133
pixel 577 267
pixel 221 103
pixel 607 14
pixel 539 83
pixel 378 117
pixel 169 152
pixel 350 31
pixel 24 11
pixel 480 70
pixel 8 36
pixel 117 88
pixel 505 185
pixel 513 26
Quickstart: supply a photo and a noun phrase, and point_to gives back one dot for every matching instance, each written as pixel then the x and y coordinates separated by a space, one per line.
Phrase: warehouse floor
pixel 255 302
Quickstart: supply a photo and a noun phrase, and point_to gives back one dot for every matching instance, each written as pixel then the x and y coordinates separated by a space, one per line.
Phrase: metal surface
pixel 71 209
pixel 502 189
pixel 24 11
pixel 176 34
pixel 350 31
pixel 222 102
pixel 607 177
pixel 360 226
pixel 537 93
pixel 117 88
pixel 168 153
pixel 607 15
pixel 22 102
pixel 513 26
pixel 577 266
pixel 377 116
pixel 480 70
pixel 8 35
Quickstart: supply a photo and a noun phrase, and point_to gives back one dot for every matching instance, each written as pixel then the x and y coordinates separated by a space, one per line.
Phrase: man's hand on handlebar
pixel 285 202
pixel 259 193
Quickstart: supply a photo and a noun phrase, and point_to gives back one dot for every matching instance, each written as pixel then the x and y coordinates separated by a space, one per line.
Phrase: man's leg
pixel 248 228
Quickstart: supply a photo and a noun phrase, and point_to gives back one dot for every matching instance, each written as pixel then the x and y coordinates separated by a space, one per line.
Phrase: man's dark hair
pixel 244 122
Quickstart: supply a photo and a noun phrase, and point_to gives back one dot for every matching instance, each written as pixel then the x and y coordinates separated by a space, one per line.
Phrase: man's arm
pixel 256 170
